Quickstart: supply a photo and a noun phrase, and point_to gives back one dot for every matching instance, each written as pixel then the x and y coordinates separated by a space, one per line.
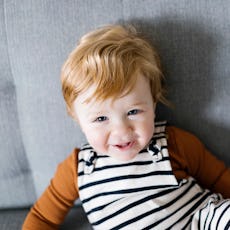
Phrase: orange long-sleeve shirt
pixel 188 157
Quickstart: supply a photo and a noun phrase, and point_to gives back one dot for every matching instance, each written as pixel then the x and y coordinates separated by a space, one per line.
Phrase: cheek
pixel 148 130
pixel 96 138
pixel 148 127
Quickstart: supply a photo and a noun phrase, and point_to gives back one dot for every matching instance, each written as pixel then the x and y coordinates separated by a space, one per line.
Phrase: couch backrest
pixel 36 36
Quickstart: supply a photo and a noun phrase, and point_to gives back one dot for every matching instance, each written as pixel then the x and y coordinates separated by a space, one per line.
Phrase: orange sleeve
pixel 189 157
pixel 51 208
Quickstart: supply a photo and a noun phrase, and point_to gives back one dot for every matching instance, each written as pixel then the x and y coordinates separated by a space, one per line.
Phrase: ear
pixel 72 114
pixel 75 118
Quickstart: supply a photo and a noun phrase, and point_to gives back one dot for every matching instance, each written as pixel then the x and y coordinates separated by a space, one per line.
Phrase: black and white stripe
pixel 143 193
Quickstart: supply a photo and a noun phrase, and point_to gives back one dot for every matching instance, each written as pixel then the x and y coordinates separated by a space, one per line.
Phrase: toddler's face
pixel 120 128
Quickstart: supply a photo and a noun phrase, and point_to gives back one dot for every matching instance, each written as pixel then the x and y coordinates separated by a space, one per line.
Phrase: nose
pixel 122 129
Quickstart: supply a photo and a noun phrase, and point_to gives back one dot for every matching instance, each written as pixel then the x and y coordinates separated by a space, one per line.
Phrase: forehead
pixel 140 93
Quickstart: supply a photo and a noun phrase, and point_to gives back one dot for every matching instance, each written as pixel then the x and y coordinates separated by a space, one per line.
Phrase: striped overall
pixel 143 193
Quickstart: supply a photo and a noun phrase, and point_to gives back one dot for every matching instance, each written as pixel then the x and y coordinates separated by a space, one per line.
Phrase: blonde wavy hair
pixel 112 58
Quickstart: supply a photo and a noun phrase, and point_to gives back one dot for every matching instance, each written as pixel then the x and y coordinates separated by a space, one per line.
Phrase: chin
pixel 125 158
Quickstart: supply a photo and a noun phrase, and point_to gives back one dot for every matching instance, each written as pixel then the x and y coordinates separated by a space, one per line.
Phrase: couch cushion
pixel 16 184
pixel 12 219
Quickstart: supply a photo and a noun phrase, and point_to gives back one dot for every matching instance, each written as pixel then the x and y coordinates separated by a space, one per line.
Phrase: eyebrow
pixel 139 103
pixel 95 114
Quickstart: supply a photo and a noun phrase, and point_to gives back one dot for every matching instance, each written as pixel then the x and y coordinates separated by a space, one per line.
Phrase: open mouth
pixel 124 146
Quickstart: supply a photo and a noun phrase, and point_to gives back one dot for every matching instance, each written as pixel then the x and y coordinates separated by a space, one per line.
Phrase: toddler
pixel 134 173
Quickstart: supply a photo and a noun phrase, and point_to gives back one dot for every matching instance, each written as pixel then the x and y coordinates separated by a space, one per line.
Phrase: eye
pixel 101 119
pixel 134 112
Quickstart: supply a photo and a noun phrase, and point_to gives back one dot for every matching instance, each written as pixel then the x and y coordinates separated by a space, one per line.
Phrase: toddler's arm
pixel 190 158
pixel 51 208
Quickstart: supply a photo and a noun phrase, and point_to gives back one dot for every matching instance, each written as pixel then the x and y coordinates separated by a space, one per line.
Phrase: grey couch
pixel 193 39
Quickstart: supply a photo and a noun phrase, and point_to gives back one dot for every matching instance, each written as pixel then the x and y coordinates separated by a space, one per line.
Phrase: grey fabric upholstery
pixel 192 38
pixel 12 219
